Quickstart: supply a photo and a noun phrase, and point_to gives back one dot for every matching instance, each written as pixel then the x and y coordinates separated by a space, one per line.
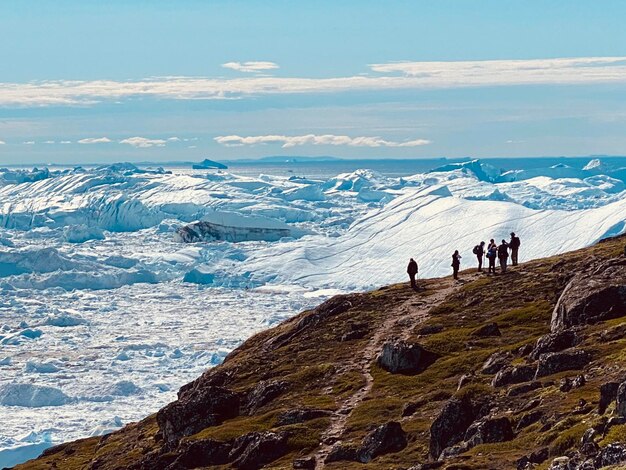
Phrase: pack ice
pixel 119 284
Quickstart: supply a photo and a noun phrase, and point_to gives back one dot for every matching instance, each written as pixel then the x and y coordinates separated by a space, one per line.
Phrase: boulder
pixel 613 454
pixel 514 375
pixel 517 390
pixel 536 457
pixel 401 357
pixel 529 418
pixel 554 342
pixel 495 362
pixel 305 463
pixel 203 452
pixel 196 410
pixel 385 439
pixel 411 407
pixel 552 363
pixel 579 381
pixel 263 393
pixel 489 430
pixel 593 296
pixel 453 451
pixel 340 453
pixel 485 331
pixel 608 393
pixel 254 450
pixel 620 408
pixel 450 425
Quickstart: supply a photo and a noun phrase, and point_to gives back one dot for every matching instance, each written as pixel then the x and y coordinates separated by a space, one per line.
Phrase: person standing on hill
pixel 503 255
pixel 412 272
pixel 514 244
pixel 479 251
pixel 456 264
pixel 492 252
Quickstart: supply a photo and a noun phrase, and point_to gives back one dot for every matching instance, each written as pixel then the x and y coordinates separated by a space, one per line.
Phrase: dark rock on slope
pixel 455 418
pixel 592 296
pixel 400 357
pixel 196 410
pixel 554 342
pixel 552 363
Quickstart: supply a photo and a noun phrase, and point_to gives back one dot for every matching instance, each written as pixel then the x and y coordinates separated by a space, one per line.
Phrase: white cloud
pixel 173 139
pixel 2 142
pixel 95 140
pixel 254 66
pixel 65 142
pixel 390 76
pixel 142 142
pixel 29 142
pixel 312 139
pixel 49 142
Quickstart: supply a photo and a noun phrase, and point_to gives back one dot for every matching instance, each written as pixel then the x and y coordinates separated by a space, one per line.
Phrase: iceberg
pixel 233 227
pixel 207 164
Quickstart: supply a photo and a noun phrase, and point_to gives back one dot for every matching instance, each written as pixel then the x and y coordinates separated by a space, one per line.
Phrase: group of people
pixel 492 252
pixel 499 252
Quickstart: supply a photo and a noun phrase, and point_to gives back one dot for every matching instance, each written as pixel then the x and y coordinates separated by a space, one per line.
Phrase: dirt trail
pixel 399 323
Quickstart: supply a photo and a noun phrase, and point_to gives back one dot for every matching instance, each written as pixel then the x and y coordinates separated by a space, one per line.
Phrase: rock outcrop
pixel 385 439
pixel 514 375
pixel 197 410
pixel 554 342
pixel 608 394
pixel 495 362
pixel 552 363
pixel 489 430
pixel 592 296
pixel 455 418
pixel 264 393
pixel 400 357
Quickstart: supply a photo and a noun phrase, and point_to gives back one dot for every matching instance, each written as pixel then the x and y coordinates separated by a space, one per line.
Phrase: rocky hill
pixel 523 370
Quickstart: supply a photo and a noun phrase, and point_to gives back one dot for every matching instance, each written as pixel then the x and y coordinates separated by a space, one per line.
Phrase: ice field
pixel 107 306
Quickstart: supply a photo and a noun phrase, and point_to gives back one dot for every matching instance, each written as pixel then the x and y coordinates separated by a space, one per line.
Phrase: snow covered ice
pixel 105 310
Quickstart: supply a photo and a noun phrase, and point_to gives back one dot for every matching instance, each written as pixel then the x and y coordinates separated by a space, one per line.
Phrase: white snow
pixel 105 313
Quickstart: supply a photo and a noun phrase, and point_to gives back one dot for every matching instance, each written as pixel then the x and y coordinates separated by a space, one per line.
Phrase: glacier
pixel 108 307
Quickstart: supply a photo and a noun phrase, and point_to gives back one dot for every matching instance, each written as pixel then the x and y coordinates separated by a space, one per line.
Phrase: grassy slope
pixel 312 362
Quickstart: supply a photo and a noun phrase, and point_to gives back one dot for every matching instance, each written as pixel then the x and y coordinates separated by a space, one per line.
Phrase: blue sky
pixel 87 81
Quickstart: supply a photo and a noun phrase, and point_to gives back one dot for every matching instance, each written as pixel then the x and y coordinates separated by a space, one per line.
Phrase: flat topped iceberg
pixel 207 164
pixel 233 227
pixel 483 171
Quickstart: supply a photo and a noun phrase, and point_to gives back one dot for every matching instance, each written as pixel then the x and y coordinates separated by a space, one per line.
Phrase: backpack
pixel 476 250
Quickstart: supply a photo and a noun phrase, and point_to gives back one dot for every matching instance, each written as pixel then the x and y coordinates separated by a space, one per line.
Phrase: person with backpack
pixel 514 244
pixel 492 250
pixel 503 255
pixel 456 264
pixel 479 251
pixel 412 272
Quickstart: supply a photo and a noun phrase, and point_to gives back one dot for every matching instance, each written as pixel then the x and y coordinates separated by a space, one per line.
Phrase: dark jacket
pixel 412 267
pixel 515 243
pixel 503 250
pixel 456 262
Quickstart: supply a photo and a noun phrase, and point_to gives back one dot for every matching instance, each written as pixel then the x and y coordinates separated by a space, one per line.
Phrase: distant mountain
pixel 287 159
